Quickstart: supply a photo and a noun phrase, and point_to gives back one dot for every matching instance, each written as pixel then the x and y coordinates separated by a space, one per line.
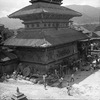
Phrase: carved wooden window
pixel 53 24
pixel 37 25
pixel 66 24
pixel 49 24
pixel 27 25
pixel 45 25
pixel 32 25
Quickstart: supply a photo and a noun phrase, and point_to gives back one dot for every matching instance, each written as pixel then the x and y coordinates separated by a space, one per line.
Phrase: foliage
pixel 6 33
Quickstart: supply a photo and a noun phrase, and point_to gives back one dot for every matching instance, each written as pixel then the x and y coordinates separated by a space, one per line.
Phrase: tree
pixel 6 33
pixel 1 30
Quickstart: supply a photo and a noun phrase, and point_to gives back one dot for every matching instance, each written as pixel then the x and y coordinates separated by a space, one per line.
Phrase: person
pixel 68 87
pixel 8 76
pixel 60 82
pixel 44 81
pixel 5 77
pixel 56 73
pixel 15 74
pixel 76 69
pixel 72 78
pixel 91 68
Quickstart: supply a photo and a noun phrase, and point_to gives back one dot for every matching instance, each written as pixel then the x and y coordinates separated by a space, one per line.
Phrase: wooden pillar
pixel 45 56
pixel 2 67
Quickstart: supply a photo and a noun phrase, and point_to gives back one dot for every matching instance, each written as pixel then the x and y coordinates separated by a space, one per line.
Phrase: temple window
pixel 45 25
pixel 37 25
pixel 49 24
pixel 66 24
pixel 32 25
pixel 53 24
pixel 27 25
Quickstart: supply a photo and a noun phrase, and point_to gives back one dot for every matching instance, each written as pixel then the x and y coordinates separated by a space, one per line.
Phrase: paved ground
pixel 86 86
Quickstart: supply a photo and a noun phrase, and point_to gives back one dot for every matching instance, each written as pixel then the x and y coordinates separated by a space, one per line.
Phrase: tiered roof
pixel 44 7
pixel 46 37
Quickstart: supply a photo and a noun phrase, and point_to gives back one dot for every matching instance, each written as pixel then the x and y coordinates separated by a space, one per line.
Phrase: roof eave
pixel 19 16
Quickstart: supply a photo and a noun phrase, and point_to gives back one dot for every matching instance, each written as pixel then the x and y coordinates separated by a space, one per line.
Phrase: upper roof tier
pixel 39 7
pixel 59 2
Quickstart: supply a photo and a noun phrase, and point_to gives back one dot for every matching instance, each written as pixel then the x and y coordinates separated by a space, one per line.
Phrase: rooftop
pixel 45 38
pixel 43 7
pixel 97 28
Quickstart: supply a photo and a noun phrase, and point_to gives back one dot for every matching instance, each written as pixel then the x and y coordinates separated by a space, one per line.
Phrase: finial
pixel 48 1
pixel 17 90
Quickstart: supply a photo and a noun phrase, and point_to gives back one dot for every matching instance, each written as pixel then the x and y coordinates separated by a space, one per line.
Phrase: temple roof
pixel 42 7
pixel 45 38
pixel 6 56
pixel 97 28
pixel 94 35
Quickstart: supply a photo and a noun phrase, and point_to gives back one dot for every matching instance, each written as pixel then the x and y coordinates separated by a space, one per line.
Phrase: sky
pixel 9 6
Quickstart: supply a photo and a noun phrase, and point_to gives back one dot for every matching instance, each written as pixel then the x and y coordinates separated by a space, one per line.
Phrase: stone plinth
pixel 19 96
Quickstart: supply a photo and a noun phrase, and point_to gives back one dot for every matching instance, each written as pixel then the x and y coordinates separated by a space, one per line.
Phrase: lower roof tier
pixel 45 37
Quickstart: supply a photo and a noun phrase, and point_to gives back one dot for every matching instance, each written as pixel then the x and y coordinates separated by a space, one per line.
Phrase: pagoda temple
pixel 47 40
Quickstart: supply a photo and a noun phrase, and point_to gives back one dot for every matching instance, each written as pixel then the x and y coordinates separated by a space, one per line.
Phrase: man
pixel 5 77
pixel 44 81
pixel 60 82
pixel 68 87
pixel 56 73
pixel 91 68
pixel 15 75
pixel 72 78
pixel 76 69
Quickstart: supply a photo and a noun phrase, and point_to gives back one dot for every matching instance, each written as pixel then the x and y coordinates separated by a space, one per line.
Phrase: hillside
pixel 90 14
pixel 98 7
pixel 11 23
pixel 90 27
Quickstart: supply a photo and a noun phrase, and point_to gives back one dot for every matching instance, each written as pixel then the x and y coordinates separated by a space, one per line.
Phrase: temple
pixel 47 41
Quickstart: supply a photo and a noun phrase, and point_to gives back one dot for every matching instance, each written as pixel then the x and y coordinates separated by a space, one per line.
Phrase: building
pixel 48 41
pixel 8 60
pixel 1 29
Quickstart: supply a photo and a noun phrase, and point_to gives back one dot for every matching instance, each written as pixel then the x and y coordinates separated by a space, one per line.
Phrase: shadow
pixel 1 80
pixel 79 77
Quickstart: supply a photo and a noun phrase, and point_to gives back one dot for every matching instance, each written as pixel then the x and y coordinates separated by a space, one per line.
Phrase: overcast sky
pixel 9 6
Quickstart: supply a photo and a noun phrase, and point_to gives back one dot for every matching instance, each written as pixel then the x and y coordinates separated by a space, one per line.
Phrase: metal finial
pixel 17 90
